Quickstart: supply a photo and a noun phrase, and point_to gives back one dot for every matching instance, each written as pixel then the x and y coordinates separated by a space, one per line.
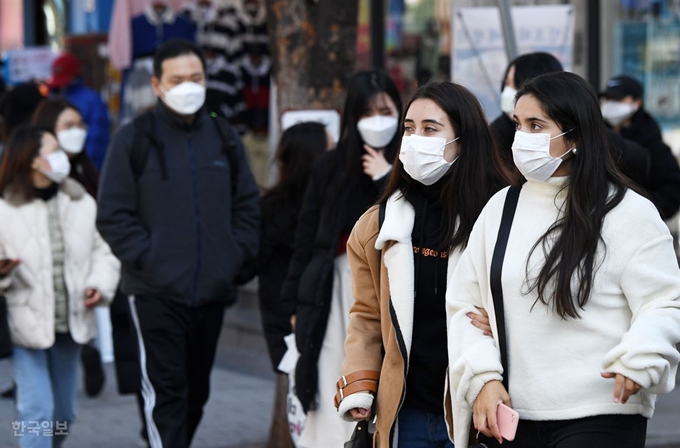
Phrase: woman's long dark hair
pixel 46 115
pixel 362 89
pixel 22 147
pixel 299 148
pixel 594 188
pixel 474 177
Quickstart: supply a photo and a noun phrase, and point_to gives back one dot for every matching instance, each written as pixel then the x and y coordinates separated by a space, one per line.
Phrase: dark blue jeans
pixel 601 431
pixel 419 429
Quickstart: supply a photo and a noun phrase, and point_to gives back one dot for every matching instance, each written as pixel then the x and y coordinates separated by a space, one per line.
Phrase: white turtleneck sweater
pixel 630 324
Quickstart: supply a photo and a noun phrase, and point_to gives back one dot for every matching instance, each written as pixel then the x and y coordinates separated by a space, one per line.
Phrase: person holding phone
pixel 590 284
pixel 395 352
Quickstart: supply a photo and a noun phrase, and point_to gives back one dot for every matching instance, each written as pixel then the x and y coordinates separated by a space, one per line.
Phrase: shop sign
pixel 26 64
pixel 330 118
pixel 479 58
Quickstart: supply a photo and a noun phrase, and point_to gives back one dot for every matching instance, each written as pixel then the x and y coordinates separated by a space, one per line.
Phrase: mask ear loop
pixel 447 144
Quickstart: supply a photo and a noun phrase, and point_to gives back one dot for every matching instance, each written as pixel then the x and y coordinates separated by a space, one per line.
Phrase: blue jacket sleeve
pixel 98 132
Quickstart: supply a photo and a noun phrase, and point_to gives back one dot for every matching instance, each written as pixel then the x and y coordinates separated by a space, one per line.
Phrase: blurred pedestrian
pixel 56 269
pixel 623 109
pixel 17 107
pixel 67 81
pixel 179 207
pixel 633 159
pixel 590 288
pixel 317 290
pixel 64 119
pixel 299 148
pixel 396 339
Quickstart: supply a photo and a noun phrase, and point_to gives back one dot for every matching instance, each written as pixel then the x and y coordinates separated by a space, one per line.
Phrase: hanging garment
pixel 120 35
pixel 150 30
pixel 218 30
pixel 256 71
pixel 225 87
pixel 252 15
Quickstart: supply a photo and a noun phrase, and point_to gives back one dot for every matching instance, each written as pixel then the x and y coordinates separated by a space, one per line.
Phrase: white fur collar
pixel 69 187
pixel 400 217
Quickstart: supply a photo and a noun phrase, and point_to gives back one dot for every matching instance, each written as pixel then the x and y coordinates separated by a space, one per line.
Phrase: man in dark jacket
pixel 623 109
pixel 179 207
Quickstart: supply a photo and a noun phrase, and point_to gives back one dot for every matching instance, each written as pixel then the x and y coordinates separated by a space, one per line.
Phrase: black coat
pixel 331 207
pixel 663 183
pixel 279 221
pixel 184 237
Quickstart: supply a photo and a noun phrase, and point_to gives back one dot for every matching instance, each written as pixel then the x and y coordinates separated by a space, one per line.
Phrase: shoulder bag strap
pixel 495 275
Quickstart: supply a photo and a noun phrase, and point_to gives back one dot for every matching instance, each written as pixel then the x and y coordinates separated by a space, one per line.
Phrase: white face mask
pixel 508 99
pixel 616 112
pixel 531 153
pixel 423 158
pixel 72 140
pixel 377 131
pixel 60 167
pixel 186 98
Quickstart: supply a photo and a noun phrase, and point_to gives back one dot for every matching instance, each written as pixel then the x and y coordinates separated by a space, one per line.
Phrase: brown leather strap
pixel 357 386
pixel 359 375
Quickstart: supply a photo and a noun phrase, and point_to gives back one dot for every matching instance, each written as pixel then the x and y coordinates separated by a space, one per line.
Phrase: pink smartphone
pixel 507 419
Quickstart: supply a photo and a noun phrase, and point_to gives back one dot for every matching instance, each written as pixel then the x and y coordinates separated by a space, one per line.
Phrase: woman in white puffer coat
pixel 54 269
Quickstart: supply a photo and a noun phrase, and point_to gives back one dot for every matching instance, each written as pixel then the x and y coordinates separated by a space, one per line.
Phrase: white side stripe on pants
pixel 147 388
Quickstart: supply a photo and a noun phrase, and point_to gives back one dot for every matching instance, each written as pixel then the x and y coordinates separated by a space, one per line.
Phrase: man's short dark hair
pixel 172 49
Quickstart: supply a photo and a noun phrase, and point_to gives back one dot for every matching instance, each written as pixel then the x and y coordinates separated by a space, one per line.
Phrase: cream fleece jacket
pixel 630 324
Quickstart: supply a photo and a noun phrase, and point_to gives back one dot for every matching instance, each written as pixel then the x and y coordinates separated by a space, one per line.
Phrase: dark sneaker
pixel 93 371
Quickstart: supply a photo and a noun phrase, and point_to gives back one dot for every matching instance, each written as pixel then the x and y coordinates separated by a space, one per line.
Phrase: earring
pixel 574 151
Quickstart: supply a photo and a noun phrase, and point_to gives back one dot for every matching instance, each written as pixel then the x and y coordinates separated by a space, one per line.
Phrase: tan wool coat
pixel 382 316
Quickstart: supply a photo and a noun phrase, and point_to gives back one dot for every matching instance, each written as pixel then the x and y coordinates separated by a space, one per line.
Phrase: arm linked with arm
pixel 474 359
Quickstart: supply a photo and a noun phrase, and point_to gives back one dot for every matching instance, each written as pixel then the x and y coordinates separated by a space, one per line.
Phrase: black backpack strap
pixel 495 275
pixel 229 148
pixel 143 140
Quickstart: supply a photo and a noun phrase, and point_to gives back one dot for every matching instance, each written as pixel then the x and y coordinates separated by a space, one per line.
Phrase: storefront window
pixel 644 42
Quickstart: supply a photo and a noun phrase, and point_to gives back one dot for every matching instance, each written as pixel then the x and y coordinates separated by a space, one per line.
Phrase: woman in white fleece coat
pixel 590 284
pixel 55 268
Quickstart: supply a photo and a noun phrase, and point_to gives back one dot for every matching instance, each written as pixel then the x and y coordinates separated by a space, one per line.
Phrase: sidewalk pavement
pixel 238 413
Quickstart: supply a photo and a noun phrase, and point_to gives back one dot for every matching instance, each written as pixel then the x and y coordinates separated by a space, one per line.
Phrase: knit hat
pixel 64 69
